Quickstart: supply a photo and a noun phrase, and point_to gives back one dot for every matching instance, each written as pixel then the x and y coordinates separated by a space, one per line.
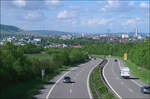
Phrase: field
pixel 40 56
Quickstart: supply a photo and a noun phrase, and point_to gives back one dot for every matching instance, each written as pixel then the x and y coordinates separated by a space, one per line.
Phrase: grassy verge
pixel 39 56
pixel 27 89
pixel 100 86
pixel 143 74
pixel 98 56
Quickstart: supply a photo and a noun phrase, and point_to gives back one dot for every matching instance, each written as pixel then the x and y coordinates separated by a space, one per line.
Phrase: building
pixel 136 32
pixel 76 46
pixel 125 36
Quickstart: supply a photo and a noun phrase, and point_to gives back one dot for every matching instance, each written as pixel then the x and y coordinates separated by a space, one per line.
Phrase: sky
pixel 90 16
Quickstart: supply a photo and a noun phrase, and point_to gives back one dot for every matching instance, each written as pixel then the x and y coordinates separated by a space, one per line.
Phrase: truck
pixel 125 72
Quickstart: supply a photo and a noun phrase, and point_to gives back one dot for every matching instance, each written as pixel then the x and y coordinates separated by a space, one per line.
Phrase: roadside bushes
pixel 31 48
pixel 16 67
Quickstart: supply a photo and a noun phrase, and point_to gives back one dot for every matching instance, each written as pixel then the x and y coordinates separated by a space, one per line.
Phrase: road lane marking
pixel 70 91
pixel 88 85
pixel 57 82
pixel 133 80
pixel 107 80
pixel 119 63
pixel 130 90
pixel 136 83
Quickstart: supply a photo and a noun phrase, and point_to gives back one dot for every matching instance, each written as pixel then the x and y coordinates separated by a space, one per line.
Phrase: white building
pixel 125 36
pixel 136 32
pixel 37 40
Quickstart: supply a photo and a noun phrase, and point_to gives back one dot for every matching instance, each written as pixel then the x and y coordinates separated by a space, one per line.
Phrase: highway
pixel 79 88
pixel 123 88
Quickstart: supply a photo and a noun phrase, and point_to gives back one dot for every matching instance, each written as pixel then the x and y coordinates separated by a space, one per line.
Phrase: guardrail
pixel 94 84
pixel 97 92
pixel 102 78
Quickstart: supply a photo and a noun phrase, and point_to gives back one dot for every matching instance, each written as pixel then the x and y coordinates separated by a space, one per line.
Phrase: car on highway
pixel 115 60
pixel 145 89
pixel 67 79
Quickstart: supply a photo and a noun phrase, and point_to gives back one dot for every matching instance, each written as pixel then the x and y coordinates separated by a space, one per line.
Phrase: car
pixel 94 58
pixel 145 89
pixel 67 79
pixel 115 60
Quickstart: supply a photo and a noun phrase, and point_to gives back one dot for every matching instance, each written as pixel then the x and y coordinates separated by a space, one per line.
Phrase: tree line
pixel 138 52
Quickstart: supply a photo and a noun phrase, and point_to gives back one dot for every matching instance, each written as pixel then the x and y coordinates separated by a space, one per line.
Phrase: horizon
pixel 77 16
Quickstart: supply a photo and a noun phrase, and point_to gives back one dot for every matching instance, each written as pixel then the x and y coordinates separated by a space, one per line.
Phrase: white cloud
pixel 98 21
pixel 52 2
pixel 19 3
pixel 34 16
pixel 117 6
pixel 143 5
pixel 132 21
pixel 104 21
pixel 66 15
pixel 131 3
pixel 110 4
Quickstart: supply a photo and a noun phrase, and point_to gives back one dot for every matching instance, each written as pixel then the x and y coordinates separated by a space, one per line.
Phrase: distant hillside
pixel 9 28
pixel 52 32
pixel 14 29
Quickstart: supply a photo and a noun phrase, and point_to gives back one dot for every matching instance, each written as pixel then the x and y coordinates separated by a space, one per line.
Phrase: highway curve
pixel 123 88
pixel 79 88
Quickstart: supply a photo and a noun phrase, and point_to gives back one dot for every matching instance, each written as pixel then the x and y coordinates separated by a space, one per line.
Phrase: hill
pixel 52 32
pixel 13 29
pixel 9 28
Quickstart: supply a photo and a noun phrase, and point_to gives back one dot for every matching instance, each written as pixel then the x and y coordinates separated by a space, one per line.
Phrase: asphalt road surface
pixel 123 88
pixel 79 88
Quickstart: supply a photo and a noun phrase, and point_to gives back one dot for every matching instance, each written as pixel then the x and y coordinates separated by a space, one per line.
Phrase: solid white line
pixel 107 80
pixel 119 63
pixel 70 91
pixel 57 82
pixel 88 88
pixel 136 83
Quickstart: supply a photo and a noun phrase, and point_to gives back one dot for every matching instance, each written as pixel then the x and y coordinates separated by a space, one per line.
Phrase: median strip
pixel 98 88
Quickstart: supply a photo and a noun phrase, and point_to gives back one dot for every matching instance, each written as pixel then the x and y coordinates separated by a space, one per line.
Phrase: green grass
pixel 39 56
pixel 98 56
pixel 29 88
pixel 100 86
pixel 143 74
pixel 92 88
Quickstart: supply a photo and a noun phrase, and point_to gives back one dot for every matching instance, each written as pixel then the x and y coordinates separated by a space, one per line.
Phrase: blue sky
pixel 77 16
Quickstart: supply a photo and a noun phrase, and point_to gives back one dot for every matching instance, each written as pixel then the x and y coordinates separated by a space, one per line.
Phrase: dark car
pixel 115 60
pixel 67 79
pixel 145 89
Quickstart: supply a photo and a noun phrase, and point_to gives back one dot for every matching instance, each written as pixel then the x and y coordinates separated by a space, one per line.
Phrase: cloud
pixel 19 3
pixel 132 21
pixel 66 15
pixel 97 21
pixel 52 2
pixel 117 6
pixel 143 5
pixel 34 16
pixel 131 3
